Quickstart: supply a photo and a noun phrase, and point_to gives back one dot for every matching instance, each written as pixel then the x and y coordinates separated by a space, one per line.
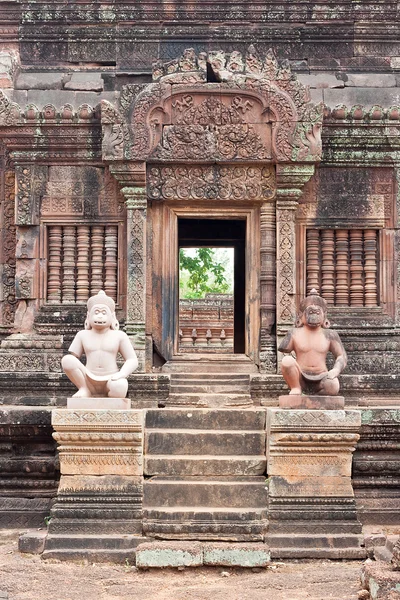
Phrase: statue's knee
pixel 288 362
pixel 69 362
pixel 332 386
pixel 118 389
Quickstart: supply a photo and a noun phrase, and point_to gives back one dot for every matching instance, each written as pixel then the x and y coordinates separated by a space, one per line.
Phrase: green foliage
pixel 201 273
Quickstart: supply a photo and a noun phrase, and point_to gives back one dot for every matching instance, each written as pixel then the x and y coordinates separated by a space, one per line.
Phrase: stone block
pixel 236 555
pixel 99 442
pixel 373 80
pixel 366 96
pixel 321 80
pixel 169 554
pixel 99 403
pixel 32 542
pixel 380 580
pixel 86 82
pixel 295 401
pixel 40 81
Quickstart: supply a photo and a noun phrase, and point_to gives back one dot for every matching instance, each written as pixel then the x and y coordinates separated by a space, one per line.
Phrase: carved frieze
pixel 81 191
pixel 211 182
pixel 350 195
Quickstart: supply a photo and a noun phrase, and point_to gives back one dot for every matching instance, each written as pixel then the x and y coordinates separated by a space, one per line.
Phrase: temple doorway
pixel 212 286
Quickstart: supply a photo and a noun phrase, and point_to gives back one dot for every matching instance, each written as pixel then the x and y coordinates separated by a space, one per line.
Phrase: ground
pixel 27 577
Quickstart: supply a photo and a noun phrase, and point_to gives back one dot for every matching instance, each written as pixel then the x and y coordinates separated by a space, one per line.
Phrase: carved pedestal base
pixel 99 403
pixel 297 401
pixel 311 506
pixel 98 510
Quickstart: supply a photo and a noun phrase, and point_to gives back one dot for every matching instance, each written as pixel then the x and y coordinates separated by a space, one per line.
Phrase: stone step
pixel 200 442
pixel 210 377
pixel 210 389
pixel 318 553
pixel 122 557
pixel 314 541
pixel 216 524
pixel 208 419
pixel 204 465
pixel 209 400
pixel 210 363
pixel 160 492
pixel 93 542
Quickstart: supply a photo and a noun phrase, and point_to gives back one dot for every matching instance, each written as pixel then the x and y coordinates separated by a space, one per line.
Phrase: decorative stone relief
pixel 31 185
pixel 210 182
pixel 99 442
pixel 8 246
pixel 258 112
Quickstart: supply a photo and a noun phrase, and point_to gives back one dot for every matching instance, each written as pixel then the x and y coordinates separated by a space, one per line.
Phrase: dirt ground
pixel 24 577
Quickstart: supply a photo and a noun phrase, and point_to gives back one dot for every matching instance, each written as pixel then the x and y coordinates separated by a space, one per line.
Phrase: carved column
pixel 136 205
pixel 268 288
pixel 313 268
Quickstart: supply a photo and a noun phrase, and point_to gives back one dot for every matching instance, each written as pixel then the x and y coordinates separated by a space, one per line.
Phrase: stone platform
pixel 311 506
pixel 98 510
pixel 297 401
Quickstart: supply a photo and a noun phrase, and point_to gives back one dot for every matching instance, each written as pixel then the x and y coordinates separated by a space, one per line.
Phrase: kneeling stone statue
pixel 100 341
pixel 311 340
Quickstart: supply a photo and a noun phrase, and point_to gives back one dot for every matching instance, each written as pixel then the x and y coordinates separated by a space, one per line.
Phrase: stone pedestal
pixel 98 511
pixel 311 505
pixel 297 401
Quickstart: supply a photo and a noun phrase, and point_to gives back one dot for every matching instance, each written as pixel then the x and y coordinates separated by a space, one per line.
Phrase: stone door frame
pixel 165 267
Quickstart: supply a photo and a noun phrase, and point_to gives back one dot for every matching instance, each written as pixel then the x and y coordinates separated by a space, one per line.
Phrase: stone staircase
pixel 210 390
pixel 205 472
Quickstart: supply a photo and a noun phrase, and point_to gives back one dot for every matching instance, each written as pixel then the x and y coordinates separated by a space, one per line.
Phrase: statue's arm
pixel 76 348
pixel 287 344
pixel 338 351
pixel 129 354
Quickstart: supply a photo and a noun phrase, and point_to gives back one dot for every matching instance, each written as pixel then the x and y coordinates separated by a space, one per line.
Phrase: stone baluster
pixel 342 267
pixel 82 279
pixel 356 268
pixel 370 267
pixel 54 264
pixel 328 266
pixel 136 205
pixel 111 246
pixel 97 263
pixel 69 248
pixel 267 288
pixel 313 264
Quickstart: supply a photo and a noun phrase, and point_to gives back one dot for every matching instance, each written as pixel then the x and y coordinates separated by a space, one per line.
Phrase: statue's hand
pixel 116 376
pixel 333 373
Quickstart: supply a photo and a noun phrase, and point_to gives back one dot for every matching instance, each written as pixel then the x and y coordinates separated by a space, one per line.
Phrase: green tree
pixel 201 274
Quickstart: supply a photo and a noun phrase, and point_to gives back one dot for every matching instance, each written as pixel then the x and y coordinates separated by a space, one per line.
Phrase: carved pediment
pixel 255 109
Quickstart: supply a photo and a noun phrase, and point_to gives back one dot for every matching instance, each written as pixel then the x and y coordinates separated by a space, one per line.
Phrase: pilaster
pixel 290 182
pixel 136 208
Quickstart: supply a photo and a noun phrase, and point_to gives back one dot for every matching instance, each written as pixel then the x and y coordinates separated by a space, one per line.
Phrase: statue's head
pixel 101 312
pixel 313 311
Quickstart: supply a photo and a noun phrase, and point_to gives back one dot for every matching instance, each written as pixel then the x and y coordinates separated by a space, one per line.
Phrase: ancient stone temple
pixel 129 130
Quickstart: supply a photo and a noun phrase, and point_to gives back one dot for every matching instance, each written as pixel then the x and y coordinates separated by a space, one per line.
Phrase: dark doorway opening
pixel 222 233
